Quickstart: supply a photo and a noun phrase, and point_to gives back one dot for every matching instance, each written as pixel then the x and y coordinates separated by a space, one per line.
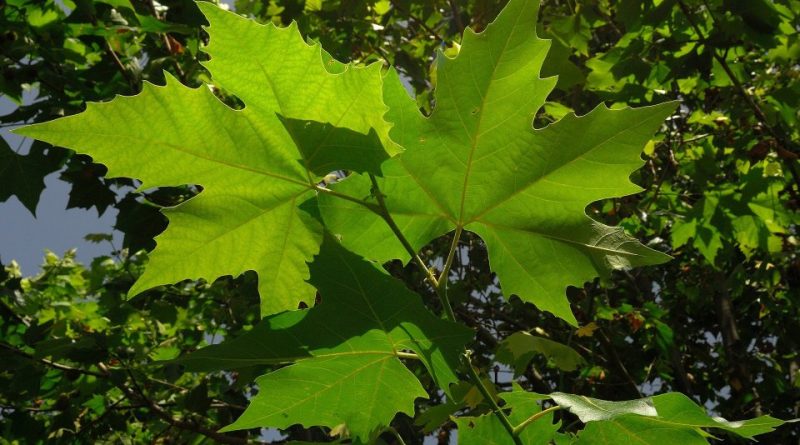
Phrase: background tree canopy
pixel 718 323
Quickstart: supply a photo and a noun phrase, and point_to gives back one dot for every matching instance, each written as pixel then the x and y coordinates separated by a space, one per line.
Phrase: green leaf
pixel 487 429
pixel 322 146
pixel 520 347
pixel 254 177
pixel 670 418
pixel 589 410
pixel 23 175
pixel 477 163
pixel 633 429
pixel 676 408
pixel 331 391
pixel 348 344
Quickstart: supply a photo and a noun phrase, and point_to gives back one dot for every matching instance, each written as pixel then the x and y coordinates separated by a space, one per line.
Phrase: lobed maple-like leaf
pixel 23 175
pixel 519 348
pixel 476 163
pixel 256 179
pixel 346 351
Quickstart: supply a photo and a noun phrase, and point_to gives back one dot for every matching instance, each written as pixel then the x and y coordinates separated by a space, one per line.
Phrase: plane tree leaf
pixel 23 175
pixel 322 145
pixel 346 351
pixel 631 428
pixel 478 164
pixel 589 409
pixel 520 348
pixel 670 418
pixel 678 409
pixel 256 180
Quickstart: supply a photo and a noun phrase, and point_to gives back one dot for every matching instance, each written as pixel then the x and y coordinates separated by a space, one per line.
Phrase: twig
pixel 456 16
pixel 621 366
pixel 120 67
pixel 417 20
pixel 762 118
pixel 501 416
pixel 50 363
pixel 139 394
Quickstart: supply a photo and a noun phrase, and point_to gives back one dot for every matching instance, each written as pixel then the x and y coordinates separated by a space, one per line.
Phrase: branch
pixel 762 118
pixel 139 394
pixel 417 20
pixel 50 363
pixel 612 351
pixel 456 16
pixel 118 63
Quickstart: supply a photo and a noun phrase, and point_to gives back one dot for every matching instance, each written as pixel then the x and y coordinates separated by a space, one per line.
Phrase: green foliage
pixel 518 350
pixel 350 343
pixel 24 175
pixel 495 174
pixel 74 358
pixel 666 418
pixel 525 199
pixel 245 197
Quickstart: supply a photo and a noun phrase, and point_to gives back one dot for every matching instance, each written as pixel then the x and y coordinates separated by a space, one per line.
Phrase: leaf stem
pixel 441 289
pixel 395 433
pixel 410 355
pixel 501 416
pixel 521 427
pixel 383 212
pixel 440 286
pixel 370 206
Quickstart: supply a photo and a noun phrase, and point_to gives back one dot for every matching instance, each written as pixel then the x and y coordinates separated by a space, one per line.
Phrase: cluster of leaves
pixel 720 197
pixel 75 355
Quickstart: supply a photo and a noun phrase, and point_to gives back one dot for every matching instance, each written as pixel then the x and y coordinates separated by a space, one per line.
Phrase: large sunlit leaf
pixel 346 351
pixel 478 163
pixel 256 181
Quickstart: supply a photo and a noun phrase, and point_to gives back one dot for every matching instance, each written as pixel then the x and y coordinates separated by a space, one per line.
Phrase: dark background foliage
pixel 718 323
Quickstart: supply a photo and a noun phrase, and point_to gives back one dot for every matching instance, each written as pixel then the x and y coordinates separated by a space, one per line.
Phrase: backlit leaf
pixel 477 163
pixel 256 181
pixel 346 351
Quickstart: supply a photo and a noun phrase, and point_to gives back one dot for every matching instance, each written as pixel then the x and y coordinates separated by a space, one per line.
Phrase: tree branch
pixel 50 363
pixel 759 113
